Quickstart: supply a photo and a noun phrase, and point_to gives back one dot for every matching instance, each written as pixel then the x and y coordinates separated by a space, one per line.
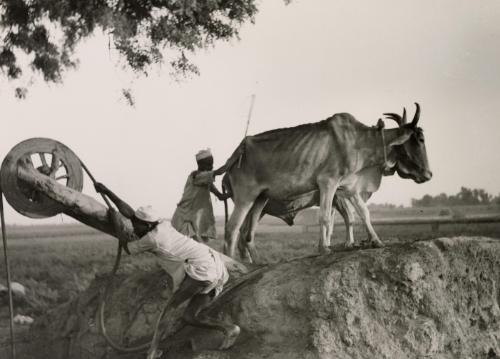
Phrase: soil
pixel 427 299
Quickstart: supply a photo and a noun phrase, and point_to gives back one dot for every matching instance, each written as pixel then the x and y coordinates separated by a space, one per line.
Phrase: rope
pixel 101 311
pixel 102 305
pixel 6 258
pixel 94 182
pixel 120 244
pixel 381 126
pixel 384 147
pixel 104 293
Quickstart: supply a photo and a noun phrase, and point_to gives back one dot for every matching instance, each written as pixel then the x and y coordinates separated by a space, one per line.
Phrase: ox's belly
pixel 286 190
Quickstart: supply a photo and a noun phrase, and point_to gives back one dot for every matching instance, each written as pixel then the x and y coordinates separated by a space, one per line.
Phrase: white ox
pixel 336 154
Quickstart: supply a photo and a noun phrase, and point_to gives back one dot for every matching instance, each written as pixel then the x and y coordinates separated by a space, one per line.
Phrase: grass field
pixel 55 263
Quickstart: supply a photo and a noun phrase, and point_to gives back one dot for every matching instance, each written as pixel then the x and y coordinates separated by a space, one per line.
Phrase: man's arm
pixel 122 206
pixel 215 191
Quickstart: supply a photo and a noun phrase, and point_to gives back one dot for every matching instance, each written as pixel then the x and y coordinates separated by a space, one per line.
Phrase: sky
pixel 304 62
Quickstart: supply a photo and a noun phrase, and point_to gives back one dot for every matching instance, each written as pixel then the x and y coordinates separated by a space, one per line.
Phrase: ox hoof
pixel 230 338
pixel 325 250
pixel 377 244
pixel 366 243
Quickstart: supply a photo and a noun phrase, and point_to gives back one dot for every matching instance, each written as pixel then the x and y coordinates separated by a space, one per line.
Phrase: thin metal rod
pixel 252 101
pixel 6 258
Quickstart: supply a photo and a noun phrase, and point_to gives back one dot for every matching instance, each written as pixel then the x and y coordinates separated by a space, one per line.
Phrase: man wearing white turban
pixel 194 215
pixel 198 271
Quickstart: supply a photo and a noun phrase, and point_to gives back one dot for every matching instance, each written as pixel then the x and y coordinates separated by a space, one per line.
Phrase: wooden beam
pixel 90 212
pixel 76 204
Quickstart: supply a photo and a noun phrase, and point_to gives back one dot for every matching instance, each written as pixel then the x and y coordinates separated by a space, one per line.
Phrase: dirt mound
pixel 436 299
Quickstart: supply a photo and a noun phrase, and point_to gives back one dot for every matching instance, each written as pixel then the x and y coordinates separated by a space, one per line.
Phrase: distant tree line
pixel 466 196
pixel 382 206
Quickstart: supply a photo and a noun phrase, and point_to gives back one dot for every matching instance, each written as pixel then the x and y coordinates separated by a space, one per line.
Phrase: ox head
pixel 409 148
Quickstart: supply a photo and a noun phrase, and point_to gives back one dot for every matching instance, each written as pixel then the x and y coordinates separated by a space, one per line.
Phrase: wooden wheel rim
pixel 16 192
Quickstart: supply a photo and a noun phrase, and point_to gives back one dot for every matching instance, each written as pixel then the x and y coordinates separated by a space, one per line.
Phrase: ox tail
pixel 226 188
pixel 226 211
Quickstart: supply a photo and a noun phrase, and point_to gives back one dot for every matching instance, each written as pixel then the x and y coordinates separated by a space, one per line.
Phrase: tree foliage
pixel 40 36
pixel 465 196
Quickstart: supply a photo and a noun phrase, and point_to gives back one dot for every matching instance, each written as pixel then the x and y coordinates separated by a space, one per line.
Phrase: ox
pixel 287 210
pixel 338 153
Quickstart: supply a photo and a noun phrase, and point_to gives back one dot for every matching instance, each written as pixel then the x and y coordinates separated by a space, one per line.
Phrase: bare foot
pixel 230 338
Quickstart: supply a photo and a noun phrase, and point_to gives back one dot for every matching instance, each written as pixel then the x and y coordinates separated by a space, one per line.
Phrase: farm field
pixel 55 266
pixel 56 263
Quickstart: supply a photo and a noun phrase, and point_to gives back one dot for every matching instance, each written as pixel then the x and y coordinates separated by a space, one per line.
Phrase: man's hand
pixel 223 196
pixel 100 188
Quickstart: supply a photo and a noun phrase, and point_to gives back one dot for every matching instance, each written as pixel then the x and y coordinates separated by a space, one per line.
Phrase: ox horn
pixel 394 116
pixel 417 116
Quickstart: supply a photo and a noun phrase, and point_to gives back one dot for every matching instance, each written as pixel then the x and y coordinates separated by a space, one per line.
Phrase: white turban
pixel 147 214
pixel 203 154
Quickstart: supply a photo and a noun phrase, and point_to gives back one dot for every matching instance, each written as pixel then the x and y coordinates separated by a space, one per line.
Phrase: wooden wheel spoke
pixel 43 159
pixel 36 163
pixel 28 161
pixel 54 166
pixel 33 195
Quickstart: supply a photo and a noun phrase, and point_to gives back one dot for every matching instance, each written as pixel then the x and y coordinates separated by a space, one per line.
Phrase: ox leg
pixel 332 223
pixel 327 190
pixel 253 218
pixel 233 225
pixel 364 213
pixel 242 240
pixel 345 212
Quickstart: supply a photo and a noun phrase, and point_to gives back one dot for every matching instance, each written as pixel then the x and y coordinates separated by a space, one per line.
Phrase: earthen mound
pixel 432 299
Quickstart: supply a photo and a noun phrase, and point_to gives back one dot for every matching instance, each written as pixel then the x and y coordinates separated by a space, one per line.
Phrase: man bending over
pixel 197 270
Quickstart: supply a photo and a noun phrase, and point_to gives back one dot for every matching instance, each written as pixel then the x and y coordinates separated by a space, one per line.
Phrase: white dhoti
pixel 180 255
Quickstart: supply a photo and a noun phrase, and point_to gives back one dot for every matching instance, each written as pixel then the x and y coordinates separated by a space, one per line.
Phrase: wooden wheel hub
pixel 49 157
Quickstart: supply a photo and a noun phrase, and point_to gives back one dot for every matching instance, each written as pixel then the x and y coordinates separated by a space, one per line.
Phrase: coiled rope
pixel 104 293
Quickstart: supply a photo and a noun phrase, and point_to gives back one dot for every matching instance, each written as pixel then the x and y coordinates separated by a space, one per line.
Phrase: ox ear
pixel 402 138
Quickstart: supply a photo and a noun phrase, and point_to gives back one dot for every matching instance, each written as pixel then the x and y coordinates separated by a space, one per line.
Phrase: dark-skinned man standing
pixel 194 215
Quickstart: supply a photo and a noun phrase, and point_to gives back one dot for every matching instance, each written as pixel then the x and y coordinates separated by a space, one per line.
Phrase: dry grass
pixel 55 267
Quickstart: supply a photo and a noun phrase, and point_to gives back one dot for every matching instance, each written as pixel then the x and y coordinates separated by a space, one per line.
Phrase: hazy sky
pixel 304 62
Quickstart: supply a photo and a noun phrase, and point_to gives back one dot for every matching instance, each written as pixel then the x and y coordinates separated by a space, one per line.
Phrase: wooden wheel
pixel 50 158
